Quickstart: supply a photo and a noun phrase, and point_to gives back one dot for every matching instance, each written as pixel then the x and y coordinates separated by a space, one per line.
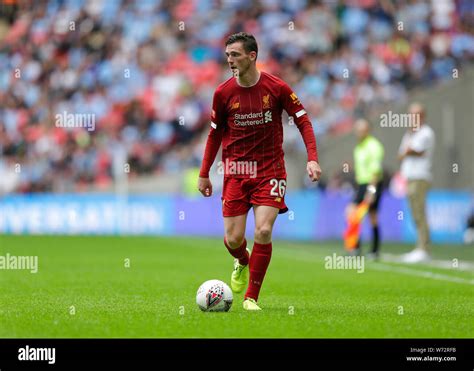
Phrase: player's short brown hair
pixel 248 41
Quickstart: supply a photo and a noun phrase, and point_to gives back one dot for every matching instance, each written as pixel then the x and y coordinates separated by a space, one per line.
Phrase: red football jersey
pixel 248 121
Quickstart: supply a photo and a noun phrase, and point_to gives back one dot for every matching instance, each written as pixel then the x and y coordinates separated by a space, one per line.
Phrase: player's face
pixel 417 110
pixel 361 129
pixel 238 59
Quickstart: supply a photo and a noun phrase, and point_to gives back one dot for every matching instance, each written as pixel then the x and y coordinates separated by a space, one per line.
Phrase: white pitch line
pixel 414 272
pixel 445 264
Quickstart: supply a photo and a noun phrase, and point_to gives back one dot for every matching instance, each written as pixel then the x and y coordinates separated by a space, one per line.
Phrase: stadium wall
pixel 313 215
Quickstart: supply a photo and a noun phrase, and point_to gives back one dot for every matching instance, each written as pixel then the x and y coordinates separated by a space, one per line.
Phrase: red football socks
pixel 259 260
pixel 240 253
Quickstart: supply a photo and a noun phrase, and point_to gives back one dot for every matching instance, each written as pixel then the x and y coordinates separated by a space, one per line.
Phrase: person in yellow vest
pixel 189 182
pixel 368 159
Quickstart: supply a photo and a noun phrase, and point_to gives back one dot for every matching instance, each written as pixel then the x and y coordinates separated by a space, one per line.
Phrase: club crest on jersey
pixel 295 99
pixel 266 101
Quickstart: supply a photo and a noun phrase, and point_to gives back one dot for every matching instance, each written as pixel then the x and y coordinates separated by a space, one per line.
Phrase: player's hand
pixel 370 194
pixel 402 155
pixel 205 186
pixel 349 211
pixel 314 170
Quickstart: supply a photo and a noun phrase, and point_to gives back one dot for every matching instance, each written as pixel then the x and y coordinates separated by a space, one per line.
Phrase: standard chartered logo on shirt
pixel 250 119
pixel 268 116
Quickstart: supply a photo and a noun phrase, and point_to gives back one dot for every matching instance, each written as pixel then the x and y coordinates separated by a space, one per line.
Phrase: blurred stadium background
pixel 146 71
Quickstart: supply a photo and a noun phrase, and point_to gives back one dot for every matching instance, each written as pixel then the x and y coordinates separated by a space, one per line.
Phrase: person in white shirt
pixel 416 153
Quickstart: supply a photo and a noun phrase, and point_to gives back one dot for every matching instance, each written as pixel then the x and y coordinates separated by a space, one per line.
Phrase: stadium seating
pixel 147 71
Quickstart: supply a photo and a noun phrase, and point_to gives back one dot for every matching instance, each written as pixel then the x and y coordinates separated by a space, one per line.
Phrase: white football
pixel 214 296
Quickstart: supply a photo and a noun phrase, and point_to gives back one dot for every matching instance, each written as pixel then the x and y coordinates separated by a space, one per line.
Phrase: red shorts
pixel 240 194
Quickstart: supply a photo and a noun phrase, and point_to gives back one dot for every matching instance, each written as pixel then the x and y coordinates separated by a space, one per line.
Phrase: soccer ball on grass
pixel 214 296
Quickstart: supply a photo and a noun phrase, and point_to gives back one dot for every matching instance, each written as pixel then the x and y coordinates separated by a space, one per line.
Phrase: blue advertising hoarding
pixel 85 214
pixel 313 215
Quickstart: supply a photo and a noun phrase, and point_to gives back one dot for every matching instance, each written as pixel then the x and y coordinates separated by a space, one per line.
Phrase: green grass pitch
pixel 83 289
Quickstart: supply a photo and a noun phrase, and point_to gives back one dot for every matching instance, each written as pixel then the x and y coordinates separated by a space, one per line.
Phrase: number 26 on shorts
pixel 278 187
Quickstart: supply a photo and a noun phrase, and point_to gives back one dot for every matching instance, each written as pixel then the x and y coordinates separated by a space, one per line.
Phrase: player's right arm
pixel 214 140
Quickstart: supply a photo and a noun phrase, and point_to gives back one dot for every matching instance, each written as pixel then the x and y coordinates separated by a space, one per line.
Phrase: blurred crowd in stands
pixel 147 70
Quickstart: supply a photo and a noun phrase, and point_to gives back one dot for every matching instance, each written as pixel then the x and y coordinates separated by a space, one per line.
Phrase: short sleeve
pixel 421 142
pixel 376 157
pixel 403 144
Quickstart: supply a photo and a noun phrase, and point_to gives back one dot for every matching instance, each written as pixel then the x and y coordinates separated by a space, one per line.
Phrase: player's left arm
pixel 419 148
pixel 295 109
pixel 375 164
